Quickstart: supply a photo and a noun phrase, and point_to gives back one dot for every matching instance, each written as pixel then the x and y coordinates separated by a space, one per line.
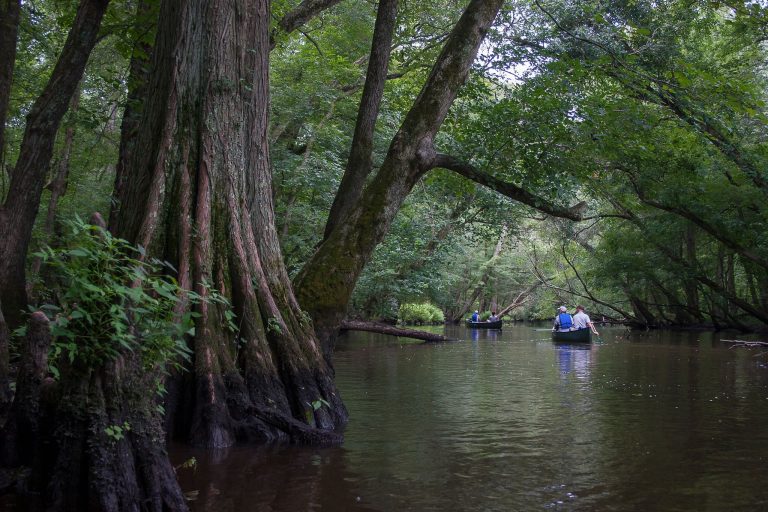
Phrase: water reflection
pixel 507 420
pixel 484 334
pixel 257 479
pixel 576 358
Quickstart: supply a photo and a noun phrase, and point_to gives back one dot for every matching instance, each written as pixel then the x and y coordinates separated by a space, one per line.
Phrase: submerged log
pixel 359 325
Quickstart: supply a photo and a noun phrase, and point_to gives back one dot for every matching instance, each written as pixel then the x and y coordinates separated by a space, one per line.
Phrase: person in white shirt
pixel 581 320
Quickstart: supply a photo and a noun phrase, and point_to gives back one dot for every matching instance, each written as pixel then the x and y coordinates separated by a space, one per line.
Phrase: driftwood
pixel 747 343
pixel 359 325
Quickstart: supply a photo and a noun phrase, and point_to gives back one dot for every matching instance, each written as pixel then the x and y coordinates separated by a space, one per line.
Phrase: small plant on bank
pixel 110 298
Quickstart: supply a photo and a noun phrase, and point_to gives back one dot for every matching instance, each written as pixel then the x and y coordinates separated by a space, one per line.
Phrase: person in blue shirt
pixel 475 316
pixel 563 321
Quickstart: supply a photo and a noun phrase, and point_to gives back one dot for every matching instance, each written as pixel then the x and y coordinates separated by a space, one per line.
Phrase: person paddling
pixel 581 320
pixel 563 321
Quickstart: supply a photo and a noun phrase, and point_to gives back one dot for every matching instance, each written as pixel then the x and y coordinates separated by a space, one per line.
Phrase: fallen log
pixel 360 325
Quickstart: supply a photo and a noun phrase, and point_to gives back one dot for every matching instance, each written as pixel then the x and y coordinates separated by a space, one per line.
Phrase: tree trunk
pixel 359 161
pixel 690 286
pixel 5 389
pixel 58 185
pixel 325 284
pixel 107 452
pixel 199 195
pixel 138 77
pixel 20 435
pixel 9 31
pixel 17 215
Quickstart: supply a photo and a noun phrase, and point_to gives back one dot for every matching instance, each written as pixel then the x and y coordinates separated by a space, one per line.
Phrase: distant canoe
pixel 484 325
pixel 580 336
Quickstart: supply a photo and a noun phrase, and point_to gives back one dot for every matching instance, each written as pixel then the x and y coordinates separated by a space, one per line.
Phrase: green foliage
pixel 420 313
pixel 111 299
pixel 118 432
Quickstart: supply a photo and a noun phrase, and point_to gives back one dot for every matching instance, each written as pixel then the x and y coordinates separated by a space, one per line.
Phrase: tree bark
pixel 138 77
pixel 17 215
pixel 107 451
pixel 691 289
pixel 5 379
pixel 327 280
pixel 199 195
pixel 20 435
pixel 58 185
pixel 9 32
pixel 360 154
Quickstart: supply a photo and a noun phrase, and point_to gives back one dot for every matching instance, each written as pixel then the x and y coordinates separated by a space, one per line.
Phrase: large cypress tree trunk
pixel 199 194
pixel 17 214
pixel 326 282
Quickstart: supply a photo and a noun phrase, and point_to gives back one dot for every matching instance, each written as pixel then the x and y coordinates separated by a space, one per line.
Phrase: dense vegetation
pixel 328 160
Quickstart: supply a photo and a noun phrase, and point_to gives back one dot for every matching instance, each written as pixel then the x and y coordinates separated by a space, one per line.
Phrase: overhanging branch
pixel 509 190
pixel 301 14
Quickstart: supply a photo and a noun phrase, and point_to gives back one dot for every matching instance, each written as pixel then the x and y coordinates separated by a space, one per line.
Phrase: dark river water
pixel 508 421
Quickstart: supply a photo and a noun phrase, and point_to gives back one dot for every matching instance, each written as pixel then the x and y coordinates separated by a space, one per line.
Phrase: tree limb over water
pixel 510 190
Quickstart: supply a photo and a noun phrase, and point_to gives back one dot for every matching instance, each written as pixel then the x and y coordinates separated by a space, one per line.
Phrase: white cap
pixel 563 308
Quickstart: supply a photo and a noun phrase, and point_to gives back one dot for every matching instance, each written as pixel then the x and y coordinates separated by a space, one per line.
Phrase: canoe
pixel 484 325
pixel 580 336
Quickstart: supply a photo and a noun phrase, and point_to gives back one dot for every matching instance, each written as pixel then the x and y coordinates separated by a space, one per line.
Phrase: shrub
pixel 420 313
pixel 111 298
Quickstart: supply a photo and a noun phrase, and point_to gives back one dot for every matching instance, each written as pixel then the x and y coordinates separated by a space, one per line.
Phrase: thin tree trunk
pixel 360 155
pixel 690 286
pixel 138 77
pixel 9 31
pixel 59 183
pixel 19 439
pixel 17 215
pixel 5 379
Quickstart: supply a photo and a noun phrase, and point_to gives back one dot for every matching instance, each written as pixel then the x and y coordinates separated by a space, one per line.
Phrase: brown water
pixel 507 421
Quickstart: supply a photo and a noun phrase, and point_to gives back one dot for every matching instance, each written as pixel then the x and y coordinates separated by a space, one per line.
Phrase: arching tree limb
pixel 301 14
pixel 510 190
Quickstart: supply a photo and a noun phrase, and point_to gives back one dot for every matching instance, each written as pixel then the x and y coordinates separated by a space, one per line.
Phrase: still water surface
pixel 508 421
